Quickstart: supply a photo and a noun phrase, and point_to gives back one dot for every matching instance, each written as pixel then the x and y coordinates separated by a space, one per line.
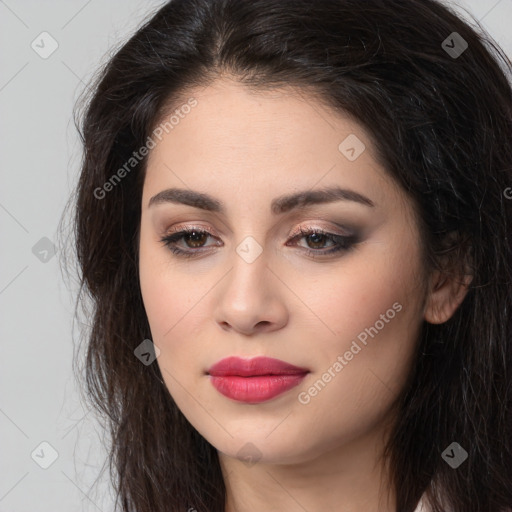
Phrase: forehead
pixel 247 144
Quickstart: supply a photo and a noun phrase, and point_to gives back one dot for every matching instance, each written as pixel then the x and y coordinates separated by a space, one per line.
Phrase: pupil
pixel 317 238
pixel 196 236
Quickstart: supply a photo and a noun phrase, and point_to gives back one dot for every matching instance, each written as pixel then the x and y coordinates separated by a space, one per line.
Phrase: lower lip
pixel 254 390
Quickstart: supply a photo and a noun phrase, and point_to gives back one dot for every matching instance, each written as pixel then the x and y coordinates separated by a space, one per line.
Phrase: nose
pixel 250 299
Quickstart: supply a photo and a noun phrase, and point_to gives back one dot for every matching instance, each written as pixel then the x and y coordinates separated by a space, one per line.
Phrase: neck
pixel 347 478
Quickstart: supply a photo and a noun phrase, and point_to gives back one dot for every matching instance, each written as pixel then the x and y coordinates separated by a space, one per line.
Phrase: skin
pixel 245 148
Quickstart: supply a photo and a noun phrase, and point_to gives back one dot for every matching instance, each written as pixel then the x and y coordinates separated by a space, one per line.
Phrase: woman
pixel 293 221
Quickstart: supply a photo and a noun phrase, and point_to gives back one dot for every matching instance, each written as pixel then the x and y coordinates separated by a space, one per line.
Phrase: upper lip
pixel 253 367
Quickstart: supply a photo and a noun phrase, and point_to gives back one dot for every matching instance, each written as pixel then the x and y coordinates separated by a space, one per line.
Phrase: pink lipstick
pixel 254 380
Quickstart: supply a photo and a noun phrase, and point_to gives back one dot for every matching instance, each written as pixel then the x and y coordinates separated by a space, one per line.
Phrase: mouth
pixel 254 380
pixel 257 366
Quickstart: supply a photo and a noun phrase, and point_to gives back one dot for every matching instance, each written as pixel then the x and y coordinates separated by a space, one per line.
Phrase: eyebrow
pixel 279 205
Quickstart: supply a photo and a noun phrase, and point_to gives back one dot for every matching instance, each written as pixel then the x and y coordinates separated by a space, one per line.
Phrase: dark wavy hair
pixel 441 125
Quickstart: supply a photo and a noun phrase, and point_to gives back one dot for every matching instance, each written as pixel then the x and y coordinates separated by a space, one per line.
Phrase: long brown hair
pixel 434 95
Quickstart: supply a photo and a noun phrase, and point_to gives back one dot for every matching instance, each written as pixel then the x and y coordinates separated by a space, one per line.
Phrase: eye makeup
pixel 313 235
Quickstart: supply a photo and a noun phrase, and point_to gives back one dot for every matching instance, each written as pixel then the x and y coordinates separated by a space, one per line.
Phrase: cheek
pixel 163 303
pixel 167 294
pixel 154 288
pixel 172 301
pixel 172 308
pixel 360 372
pixel 169 314
pixel 373 308
pixel 365 293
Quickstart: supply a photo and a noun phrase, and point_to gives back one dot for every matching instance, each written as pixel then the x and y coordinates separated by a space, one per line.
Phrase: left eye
pixel 195 239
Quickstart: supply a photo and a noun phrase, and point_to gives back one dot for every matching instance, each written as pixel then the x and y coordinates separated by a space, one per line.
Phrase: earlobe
pixel 445 296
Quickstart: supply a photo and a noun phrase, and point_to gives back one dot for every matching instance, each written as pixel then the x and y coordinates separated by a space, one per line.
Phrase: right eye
pixel 194 236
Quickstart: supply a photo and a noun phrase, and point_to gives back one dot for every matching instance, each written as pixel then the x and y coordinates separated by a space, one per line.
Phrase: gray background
pixel 40 156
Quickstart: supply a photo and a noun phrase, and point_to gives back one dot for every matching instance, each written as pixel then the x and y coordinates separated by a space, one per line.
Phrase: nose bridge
pixel 249 275
pixel 249 298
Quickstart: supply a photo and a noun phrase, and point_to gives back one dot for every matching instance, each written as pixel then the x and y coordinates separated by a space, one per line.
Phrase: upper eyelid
pixel 298 234
pixel 295 233
pixel 342 243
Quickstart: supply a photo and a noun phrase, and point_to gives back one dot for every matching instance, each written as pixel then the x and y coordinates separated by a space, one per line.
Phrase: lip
pixel 254 380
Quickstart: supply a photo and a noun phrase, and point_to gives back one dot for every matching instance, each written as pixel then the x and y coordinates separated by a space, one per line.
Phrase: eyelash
pixel 344 243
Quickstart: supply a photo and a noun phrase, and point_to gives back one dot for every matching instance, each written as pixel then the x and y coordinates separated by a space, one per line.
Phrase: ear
pixel 448 287
pixel 445 296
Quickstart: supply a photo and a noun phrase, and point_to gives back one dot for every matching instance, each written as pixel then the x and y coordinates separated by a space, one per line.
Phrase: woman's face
pixel 345 307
